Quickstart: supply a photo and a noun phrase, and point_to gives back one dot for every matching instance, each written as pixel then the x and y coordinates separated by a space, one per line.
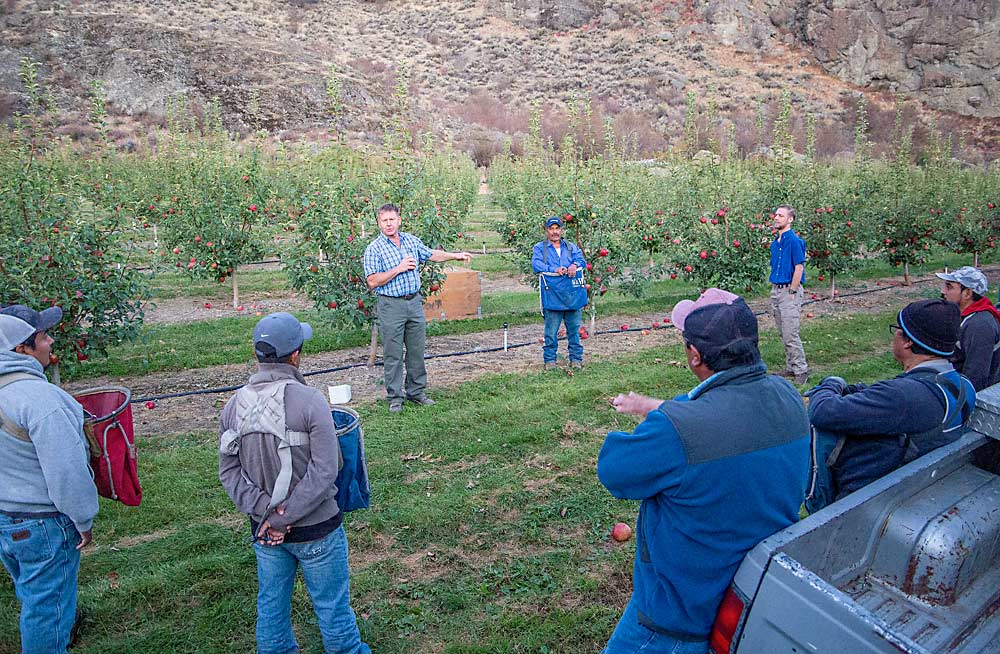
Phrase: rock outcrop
pixel 944 53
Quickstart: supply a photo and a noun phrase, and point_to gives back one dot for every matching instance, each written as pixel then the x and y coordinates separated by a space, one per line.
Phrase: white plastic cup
pixel 340 394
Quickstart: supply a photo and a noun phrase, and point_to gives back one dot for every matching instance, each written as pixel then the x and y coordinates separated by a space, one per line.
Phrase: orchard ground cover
pixel 479 539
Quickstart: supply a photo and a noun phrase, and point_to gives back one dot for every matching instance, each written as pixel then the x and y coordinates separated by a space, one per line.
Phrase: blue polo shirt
pixel 787 251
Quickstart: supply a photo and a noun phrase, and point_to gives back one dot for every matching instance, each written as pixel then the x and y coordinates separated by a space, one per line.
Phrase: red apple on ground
pixel 151 405
pixel 624 328
pixel 208 305
pixel 621 532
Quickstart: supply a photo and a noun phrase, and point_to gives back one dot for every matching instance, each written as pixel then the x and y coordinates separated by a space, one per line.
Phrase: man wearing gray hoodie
pixel 278 460
pixel 48 500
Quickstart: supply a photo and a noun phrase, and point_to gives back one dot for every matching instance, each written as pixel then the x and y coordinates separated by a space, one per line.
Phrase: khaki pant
pixel 786 308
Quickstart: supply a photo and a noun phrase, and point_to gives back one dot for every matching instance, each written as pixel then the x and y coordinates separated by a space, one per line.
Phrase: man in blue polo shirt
pixel 391 262
pixel 788 274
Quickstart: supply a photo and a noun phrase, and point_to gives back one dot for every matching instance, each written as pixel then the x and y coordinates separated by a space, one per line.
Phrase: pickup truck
pixel 909 563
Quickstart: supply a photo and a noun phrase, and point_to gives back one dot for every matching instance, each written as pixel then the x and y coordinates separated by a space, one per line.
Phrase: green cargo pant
pixel 402 326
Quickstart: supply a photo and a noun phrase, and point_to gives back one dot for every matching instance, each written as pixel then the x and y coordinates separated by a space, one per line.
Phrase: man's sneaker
pixel 395 406
pixel 423 399
pixel 551 365
pixel 801 378
pixel 577 365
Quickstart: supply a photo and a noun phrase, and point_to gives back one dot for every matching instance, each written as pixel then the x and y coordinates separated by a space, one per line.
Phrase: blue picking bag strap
pixel 957 392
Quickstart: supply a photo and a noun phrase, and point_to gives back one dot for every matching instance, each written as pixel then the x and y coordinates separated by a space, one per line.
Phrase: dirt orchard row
pixel 200 412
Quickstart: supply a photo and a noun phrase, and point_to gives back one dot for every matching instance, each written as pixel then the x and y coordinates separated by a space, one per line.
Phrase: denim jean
pixel 630 637
pixel 327 575
pixel 572 320
pixel 41 556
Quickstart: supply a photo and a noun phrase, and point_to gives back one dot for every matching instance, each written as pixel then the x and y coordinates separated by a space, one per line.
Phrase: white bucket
pixel 340 394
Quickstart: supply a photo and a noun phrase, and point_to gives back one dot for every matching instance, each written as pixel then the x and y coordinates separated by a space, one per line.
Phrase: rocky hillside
pixel 477 65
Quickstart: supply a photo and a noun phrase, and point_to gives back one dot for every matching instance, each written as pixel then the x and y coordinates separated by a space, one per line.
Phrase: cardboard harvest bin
pixel 459 296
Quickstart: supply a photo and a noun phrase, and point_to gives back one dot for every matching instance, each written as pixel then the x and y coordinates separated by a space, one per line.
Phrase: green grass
pixel 494 540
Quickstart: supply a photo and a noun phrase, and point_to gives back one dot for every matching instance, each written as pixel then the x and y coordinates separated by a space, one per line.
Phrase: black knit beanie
pixel 932 324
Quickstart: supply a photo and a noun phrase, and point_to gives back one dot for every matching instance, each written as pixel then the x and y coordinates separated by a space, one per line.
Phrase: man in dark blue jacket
pixel 866 432
pixel 717 469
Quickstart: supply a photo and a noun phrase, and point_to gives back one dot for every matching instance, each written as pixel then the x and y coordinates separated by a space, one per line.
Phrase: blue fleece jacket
pixel 717 470
pixel 51 473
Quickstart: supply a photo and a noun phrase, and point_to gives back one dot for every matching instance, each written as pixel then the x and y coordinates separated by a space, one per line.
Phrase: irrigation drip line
pixel 487 350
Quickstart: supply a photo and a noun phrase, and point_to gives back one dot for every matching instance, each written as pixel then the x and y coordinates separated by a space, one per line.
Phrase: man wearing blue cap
pixel 278 460
pixel 552 259
pixel 866 432
pixel 48 500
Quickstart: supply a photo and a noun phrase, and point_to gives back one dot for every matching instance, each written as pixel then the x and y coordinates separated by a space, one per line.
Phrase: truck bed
pixel 910 563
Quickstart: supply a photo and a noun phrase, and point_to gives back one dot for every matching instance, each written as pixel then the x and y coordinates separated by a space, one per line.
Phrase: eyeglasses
pixel 893 328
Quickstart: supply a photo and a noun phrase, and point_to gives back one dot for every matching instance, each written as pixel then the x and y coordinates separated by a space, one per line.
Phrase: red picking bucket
pixel 108 425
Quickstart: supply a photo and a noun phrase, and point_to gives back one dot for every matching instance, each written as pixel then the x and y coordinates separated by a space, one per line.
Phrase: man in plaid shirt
pixel 391 262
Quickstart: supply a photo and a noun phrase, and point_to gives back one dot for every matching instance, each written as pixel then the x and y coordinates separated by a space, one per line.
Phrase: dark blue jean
pixel 572 320
pixel 327 575
pixel 41 556
pixel 630 637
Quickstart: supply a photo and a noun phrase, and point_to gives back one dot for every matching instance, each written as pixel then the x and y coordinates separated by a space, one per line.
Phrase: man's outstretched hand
pixel 635 404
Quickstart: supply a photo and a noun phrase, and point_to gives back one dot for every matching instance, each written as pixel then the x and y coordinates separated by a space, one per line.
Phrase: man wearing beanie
pixel 278 461
pixel 866 432
pixel 718 469
pixel 48 500
pixel 977 354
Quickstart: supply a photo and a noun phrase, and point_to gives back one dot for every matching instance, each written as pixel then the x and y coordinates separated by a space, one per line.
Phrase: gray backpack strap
pixel 7 424
pixel 263 410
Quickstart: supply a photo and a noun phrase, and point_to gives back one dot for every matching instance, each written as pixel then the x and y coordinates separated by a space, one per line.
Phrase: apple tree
pixel 215 210
pixel 62 238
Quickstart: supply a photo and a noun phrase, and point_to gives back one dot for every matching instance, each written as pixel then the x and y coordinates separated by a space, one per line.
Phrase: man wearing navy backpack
pixel 866 432
pixel 278 460
pixel 552 259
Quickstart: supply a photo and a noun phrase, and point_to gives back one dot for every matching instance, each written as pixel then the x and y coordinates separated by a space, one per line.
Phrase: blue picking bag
pixel 562 293
pixel 353 490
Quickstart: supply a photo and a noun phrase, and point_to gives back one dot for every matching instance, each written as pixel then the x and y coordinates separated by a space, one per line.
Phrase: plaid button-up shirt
pixel 382 255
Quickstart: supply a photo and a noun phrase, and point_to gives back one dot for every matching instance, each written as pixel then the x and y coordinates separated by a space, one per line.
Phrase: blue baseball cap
pixel 554 220
pixel 282 332
pixel 42 321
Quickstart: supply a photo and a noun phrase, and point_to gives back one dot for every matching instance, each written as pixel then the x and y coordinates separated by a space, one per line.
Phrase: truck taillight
pixel 727 620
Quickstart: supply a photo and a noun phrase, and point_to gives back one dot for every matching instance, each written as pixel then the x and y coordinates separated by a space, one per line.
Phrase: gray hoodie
pixel 50 474
pixel 248 477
